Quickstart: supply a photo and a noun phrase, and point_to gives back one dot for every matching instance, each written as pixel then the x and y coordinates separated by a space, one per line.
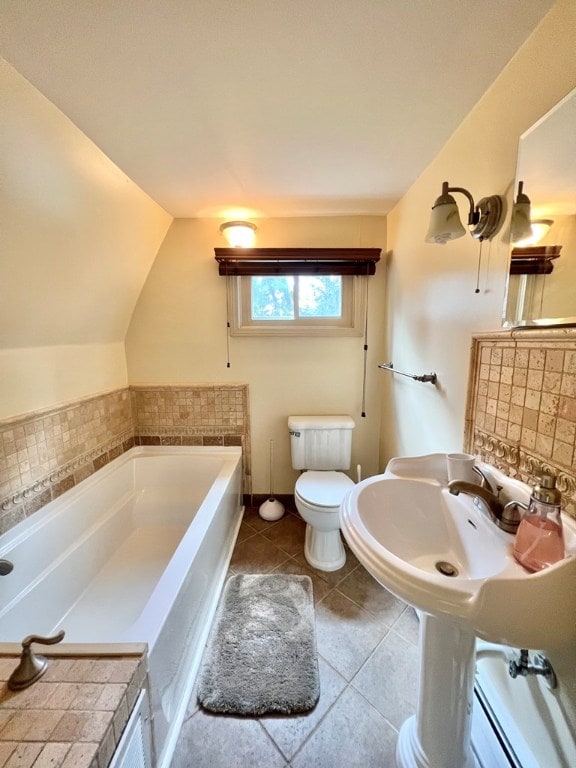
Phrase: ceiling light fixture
pixel 538 230
pixel 240 234
pixel 484 218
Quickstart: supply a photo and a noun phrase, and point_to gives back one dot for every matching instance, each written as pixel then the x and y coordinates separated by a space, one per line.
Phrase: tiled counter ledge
pixel 73 717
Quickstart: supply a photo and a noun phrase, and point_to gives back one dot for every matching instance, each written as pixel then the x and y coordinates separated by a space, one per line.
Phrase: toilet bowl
pixel 317 495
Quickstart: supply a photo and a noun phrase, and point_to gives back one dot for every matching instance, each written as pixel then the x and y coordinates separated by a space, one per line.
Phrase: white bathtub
pixel 136 553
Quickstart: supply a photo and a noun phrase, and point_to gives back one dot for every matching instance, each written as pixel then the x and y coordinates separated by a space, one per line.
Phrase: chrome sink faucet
pixel 506 516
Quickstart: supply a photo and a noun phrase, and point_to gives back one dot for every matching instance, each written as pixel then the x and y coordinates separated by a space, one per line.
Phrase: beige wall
pixel 39 377
pixel 178 335
pixel 433 309
pixel 77 241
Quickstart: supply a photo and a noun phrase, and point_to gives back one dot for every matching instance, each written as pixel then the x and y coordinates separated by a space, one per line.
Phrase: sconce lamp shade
pixel 240 234
pixel 484 218
pixel 521 228
pixel 445 221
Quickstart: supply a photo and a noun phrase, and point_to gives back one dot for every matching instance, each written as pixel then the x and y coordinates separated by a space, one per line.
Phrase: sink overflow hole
pixel 447 569
pixel 472 524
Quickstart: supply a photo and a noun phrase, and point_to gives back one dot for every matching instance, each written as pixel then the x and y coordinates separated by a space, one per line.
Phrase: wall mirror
pixel 541 286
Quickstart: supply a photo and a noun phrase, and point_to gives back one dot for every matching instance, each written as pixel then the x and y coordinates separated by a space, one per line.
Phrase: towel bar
pixel 427 377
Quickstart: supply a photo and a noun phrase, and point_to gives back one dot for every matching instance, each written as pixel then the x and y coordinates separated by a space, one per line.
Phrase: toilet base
pixel 324 549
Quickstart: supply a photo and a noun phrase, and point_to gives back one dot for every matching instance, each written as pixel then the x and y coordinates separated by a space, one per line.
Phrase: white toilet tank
pixel 321 442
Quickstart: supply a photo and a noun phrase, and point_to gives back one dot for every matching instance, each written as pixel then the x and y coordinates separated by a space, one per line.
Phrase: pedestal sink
pixel 443 555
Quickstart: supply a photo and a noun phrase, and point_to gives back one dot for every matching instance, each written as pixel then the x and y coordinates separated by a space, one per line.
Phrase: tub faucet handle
pixel 32 666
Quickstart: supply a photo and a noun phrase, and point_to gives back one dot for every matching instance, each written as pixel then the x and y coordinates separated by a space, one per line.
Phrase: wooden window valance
pixel 534 260
pixel 297 261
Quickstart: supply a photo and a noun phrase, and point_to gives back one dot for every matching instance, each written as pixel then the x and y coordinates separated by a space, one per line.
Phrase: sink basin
pixel 442 554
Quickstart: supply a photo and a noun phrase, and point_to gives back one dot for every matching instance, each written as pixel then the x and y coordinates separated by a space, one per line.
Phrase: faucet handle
pixel 27 642
pixel 32 666
pixel 511 515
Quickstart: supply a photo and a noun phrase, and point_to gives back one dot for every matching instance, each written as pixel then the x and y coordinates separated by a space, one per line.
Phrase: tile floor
pixel 368 662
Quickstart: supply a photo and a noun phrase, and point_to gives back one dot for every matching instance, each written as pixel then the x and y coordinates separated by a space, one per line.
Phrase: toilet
pixel 321 446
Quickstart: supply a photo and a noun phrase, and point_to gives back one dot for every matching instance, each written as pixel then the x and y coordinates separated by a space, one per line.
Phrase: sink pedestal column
pixel 438 736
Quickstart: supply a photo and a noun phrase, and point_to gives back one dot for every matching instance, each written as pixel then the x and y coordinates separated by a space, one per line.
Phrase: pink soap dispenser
pixel 539 539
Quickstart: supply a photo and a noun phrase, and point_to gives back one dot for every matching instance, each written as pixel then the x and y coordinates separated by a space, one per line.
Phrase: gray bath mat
pixel 261 655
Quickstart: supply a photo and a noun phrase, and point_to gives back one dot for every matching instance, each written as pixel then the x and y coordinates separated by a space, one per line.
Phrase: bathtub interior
pixel 90 561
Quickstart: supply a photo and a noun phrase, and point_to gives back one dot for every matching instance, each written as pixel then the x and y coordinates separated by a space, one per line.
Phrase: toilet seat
pixel 323 488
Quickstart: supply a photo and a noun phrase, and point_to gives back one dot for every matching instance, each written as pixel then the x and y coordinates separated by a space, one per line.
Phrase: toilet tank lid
pixel 320 422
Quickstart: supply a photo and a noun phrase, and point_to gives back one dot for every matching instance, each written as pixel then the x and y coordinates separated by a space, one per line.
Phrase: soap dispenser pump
pixel 539 539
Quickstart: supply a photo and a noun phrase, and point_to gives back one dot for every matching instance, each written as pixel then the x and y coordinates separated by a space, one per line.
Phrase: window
pixel 296 291
pixel 296 305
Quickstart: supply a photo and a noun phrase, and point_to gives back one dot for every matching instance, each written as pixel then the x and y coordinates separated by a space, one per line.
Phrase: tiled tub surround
pixel 45 453
pixel 73 717
pixel 194 415
pixel 521 414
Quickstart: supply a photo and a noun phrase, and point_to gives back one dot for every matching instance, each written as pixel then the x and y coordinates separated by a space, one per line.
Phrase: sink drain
pixel 446 569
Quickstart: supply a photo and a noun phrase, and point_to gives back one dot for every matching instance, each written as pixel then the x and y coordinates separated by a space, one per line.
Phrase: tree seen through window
pixel 287 297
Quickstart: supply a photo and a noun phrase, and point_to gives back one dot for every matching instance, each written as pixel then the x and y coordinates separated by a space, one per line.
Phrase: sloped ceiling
pixel 216 107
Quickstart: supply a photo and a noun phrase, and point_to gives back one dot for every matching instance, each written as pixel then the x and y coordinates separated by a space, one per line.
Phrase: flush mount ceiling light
pixel 483 218
pixel 538 229
pixel 240 234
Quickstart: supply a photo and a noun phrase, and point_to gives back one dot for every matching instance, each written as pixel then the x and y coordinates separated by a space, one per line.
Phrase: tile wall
pixel 521 414
pixel 45 453
pixel 194 415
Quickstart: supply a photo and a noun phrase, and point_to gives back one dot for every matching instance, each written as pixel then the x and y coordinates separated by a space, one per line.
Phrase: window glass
pixel 320 296
pixel 289 297
pixel 272 297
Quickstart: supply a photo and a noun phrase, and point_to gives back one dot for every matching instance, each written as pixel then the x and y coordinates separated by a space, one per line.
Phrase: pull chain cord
pixel 363 414
pixel 479 263
pixel 227 321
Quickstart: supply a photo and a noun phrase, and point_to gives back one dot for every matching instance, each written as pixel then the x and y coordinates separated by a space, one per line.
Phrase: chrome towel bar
pixel 428 377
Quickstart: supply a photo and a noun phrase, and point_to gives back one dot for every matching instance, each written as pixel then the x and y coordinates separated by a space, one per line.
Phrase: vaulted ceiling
pixel 267 107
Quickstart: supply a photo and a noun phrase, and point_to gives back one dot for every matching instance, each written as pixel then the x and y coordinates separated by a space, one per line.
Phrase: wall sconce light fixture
pixel 520 227
pixel 483 218
pixel 240 234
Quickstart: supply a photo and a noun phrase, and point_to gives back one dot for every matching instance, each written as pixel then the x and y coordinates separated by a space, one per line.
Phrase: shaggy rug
pixel 261 654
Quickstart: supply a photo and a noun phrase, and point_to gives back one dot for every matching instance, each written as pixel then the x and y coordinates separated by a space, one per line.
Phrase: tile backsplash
pixel 521 413
pixel 45 453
